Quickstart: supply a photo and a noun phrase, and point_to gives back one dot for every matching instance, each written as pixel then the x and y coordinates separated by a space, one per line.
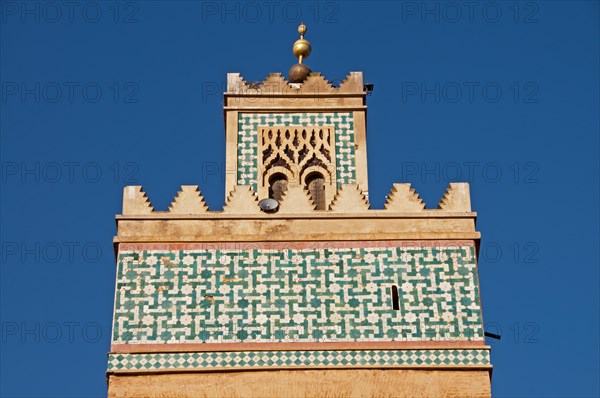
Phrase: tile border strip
pixel 266 360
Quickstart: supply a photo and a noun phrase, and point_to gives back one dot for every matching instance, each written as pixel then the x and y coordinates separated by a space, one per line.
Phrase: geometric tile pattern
pixel 248 124
pixel 267 359
pixel 224 294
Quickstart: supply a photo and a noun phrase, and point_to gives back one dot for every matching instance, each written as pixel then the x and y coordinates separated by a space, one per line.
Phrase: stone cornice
pixel 302 228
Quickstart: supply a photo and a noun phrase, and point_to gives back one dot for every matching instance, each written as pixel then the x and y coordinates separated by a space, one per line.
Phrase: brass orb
pixel 301 48
pixel 302 29
pixel 298 73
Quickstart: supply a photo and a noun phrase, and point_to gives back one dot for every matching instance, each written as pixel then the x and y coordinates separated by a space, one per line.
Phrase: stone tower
pixel 321 296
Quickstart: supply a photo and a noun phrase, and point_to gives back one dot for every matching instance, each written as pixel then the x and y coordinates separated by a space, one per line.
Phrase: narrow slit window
pixel 395 298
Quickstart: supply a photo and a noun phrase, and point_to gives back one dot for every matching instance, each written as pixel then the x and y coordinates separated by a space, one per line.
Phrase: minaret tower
pixel 297 287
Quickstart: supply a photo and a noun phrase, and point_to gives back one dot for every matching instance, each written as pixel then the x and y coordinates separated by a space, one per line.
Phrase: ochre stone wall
pixel 306 383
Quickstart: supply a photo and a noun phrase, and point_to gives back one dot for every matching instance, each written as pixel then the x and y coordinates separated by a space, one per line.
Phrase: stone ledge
pixel 304 383
pixel 264 228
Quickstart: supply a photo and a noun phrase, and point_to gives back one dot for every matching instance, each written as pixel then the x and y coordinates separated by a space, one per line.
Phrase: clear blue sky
pixel 500 94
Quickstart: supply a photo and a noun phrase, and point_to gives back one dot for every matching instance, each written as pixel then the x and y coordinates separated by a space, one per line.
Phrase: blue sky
pixel 99 95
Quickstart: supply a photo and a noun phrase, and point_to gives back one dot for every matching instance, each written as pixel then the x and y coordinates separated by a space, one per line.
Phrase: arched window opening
pixel 315 183
pixel 395 298
pixel 277 186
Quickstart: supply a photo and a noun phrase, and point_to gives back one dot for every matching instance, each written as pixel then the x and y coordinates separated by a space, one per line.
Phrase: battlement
pixel 276 84
pixel 349 199
pixel 275 93
pixel 349 217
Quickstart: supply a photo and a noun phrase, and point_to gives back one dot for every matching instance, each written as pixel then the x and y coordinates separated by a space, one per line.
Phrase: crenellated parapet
pixel 349 198
pixel 456 198
pixel 276 84
pixel 135 201
pixel 403 197
pixel 189 200
pixel 348 217
pixel 242 200
pixel 296 199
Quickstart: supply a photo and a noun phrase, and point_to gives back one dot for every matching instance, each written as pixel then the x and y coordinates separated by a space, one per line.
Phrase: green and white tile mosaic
pixel 296 295
pixel 274 359
pixel 248 124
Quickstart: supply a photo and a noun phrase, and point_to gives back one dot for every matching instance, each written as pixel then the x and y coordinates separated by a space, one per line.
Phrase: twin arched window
pixel 315 184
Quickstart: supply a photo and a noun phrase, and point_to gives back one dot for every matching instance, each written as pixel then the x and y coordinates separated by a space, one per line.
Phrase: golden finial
pixel 301 50
pixel 301 47
pixel 302 30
